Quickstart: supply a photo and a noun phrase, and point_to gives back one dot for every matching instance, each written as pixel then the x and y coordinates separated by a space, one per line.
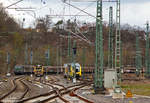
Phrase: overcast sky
pixel 133 12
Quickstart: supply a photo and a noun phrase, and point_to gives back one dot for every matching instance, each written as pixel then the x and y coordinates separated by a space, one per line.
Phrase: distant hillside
pixel 14 40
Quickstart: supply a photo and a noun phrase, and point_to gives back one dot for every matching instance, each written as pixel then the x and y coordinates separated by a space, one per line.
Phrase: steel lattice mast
pixel 69 43
pixel 48 56
pixel 118 42
pixel 98 77
pixel 26 54
pixel 138 56
pixel 147 52
pixel 69 47
pixel 83 61
pixel 31 57
pixel 98 81
pixel 74 57
pixel 110 44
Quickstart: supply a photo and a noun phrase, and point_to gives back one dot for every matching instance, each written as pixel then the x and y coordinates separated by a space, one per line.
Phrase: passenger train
pixel 71 69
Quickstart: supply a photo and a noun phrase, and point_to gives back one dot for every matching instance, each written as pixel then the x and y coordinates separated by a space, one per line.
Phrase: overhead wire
pixel 73 32
pixel 64 8
pixel 29 12
pixel 69 9
pixel 81 10
pixel 14 3
pixel 24 11
pixel 78 36
pixel 84 9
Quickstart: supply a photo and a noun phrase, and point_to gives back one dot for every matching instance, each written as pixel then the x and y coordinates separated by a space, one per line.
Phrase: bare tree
pixel 43 24
pixel 7 23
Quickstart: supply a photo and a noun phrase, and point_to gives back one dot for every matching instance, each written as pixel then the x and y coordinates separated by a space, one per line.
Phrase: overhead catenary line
pixel 29 11
pixel 76 25
pixel 80 9
pixel 27 8
pixel 14 4
pixel 24 10
pixel 80 15
pixel 92 0
pixel 82 34
pixel 86 1
pixel 78 36
pixel 85 8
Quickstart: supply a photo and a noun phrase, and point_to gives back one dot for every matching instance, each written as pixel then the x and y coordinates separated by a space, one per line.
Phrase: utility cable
pixel 80 9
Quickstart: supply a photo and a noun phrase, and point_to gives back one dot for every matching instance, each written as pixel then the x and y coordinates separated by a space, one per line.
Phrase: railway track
pixel 55 93
pixel 67 93
pixel 58 92
pixel 72 93
pixel 18 91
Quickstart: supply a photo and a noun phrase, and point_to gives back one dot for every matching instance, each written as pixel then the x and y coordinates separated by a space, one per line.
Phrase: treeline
pixel 47 34
pixel 7 23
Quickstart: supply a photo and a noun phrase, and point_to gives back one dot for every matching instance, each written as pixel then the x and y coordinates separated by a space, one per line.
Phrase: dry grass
pixel 137 87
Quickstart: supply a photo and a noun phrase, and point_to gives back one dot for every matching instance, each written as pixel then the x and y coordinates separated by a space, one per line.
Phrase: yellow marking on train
pixel 130 102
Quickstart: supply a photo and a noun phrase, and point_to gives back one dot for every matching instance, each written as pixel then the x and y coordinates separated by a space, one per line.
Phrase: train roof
pixel 72 64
